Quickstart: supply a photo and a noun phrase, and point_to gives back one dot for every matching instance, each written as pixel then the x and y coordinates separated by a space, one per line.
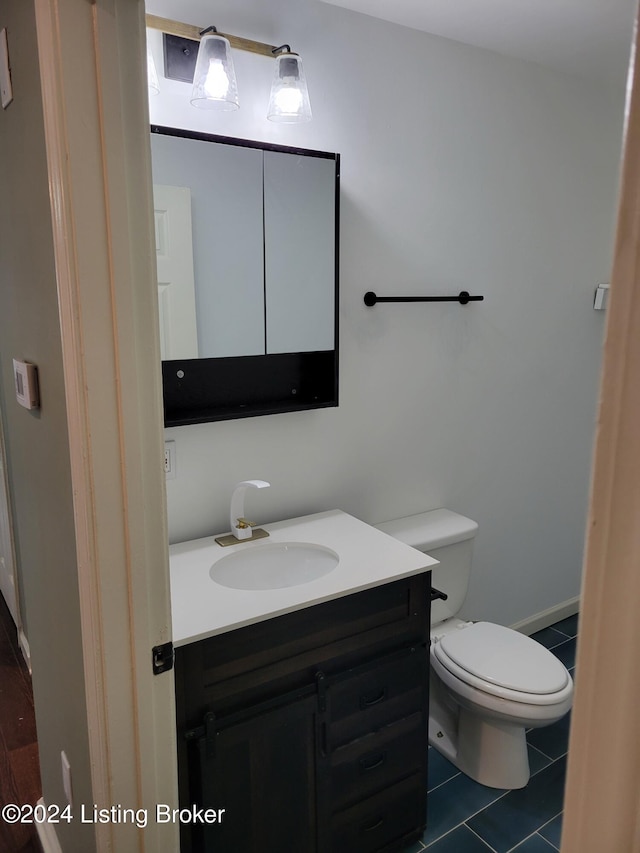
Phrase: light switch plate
pixel 66 777
pixel 6 90
pixel 26 378
pixel 601 297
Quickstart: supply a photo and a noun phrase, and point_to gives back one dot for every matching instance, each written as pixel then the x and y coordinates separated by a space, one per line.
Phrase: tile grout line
pixel 522 840
pixel 547 824
pixel 484 841
pixel 468 817
pixel 561 643
pixel 537 749
pixel 435 788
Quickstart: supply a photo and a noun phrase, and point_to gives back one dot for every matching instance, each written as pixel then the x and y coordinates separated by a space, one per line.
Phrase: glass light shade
pixel 289 101
pixel 214 80
pixel 152 74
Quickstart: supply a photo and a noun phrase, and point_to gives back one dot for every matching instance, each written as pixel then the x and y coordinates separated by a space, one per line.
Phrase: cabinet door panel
pixel 300 252
pixel 261 770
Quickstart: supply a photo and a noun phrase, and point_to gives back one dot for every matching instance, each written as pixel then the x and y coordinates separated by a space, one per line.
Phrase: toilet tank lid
pixel 433 529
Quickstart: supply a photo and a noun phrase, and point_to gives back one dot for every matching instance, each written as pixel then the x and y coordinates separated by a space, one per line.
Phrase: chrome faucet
pixel 241 528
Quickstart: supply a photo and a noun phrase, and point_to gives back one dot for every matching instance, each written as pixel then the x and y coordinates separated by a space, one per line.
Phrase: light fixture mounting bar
pixel 188 31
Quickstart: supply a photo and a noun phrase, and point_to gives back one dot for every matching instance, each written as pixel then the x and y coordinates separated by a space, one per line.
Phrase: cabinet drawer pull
pixel 367 764
pixel 368 701
pixel 373 826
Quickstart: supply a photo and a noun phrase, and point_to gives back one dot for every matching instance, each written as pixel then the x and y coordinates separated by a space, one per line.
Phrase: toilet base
pixel 490 751
pixel 493 754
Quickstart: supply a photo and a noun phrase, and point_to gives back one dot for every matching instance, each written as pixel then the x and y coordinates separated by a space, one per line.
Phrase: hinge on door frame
pixel 162 658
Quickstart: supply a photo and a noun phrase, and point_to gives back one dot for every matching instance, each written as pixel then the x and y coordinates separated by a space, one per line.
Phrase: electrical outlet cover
pixel 170 460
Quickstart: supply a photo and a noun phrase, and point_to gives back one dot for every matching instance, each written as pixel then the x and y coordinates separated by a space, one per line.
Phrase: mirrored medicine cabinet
pixel 247 256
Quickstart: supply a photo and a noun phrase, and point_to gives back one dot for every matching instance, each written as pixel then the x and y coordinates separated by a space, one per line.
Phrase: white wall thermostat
pixel 26 379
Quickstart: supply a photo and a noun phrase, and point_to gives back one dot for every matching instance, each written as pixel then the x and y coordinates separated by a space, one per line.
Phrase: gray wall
pixel 461 169
pixel 37 442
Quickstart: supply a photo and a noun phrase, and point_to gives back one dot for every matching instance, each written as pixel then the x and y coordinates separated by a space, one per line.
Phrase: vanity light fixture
pixel 209 67
pixel 214 78
pixel 289 101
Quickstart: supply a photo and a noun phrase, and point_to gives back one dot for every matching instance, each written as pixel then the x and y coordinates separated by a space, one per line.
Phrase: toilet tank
pixel 448 538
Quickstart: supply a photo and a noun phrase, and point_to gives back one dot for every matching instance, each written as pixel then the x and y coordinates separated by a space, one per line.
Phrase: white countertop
pixel 203 608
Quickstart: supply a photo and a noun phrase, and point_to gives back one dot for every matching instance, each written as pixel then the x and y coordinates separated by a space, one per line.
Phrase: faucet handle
pixel 243 523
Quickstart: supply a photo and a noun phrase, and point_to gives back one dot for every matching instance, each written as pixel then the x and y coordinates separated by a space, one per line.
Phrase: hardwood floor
pixel 19 768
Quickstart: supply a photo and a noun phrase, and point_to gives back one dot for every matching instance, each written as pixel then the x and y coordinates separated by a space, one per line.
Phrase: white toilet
pixel 488 683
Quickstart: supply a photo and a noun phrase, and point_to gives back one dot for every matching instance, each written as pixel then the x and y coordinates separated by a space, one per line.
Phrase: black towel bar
pixel 370 298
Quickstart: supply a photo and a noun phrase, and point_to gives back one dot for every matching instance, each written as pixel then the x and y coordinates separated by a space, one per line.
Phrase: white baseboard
pixel 24 648
pixel 47 835
pixel 548 617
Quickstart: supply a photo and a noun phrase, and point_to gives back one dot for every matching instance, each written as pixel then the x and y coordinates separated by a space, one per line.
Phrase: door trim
pixel 603 782
pixel 96 133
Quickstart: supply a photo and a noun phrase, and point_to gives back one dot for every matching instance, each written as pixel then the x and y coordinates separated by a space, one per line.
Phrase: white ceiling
pixel 590 38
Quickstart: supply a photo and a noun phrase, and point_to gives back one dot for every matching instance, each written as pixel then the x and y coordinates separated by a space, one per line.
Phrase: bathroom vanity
pixel 309 728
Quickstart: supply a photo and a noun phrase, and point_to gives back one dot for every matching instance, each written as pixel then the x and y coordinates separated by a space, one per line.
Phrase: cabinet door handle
pixel 371 763
pixel 373 826
pixel 368 701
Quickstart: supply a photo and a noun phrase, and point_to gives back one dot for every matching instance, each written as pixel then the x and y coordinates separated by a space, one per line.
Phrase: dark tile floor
pixel 465 817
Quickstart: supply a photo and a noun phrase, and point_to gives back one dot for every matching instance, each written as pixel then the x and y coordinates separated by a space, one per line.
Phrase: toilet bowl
pixel 488 683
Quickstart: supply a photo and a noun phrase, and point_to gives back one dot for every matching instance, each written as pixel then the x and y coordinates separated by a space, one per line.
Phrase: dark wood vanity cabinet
pixel 310 729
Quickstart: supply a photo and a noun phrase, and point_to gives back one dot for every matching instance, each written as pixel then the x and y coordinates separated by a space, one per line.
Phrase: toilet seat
pixel 504 663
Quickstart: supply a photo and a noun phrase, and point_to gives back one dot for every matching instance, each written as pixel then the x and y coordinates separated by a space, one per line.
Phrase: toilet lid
pixel 503 657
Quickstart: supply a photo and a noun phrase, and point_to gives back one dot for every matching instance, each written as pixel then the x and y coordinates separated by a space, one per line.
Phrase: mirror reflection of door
pixel 176 287
pixel 7 562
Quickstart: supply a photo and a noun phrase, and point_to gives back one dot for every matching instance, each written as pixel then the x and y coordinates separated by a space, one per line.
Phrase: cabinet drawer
pixel 399 813
pixel 365 699
pixel 375 762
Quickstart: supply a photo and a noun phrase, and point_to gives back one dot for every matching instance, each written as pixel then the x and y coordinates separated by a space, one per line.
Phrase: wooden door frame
pixel 94 95
pixel 603 782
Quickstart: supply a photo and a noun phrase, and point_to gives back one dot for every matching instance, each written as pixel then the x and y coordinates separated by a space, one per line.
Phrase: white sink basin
pixel 274 565
pixel 305 561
